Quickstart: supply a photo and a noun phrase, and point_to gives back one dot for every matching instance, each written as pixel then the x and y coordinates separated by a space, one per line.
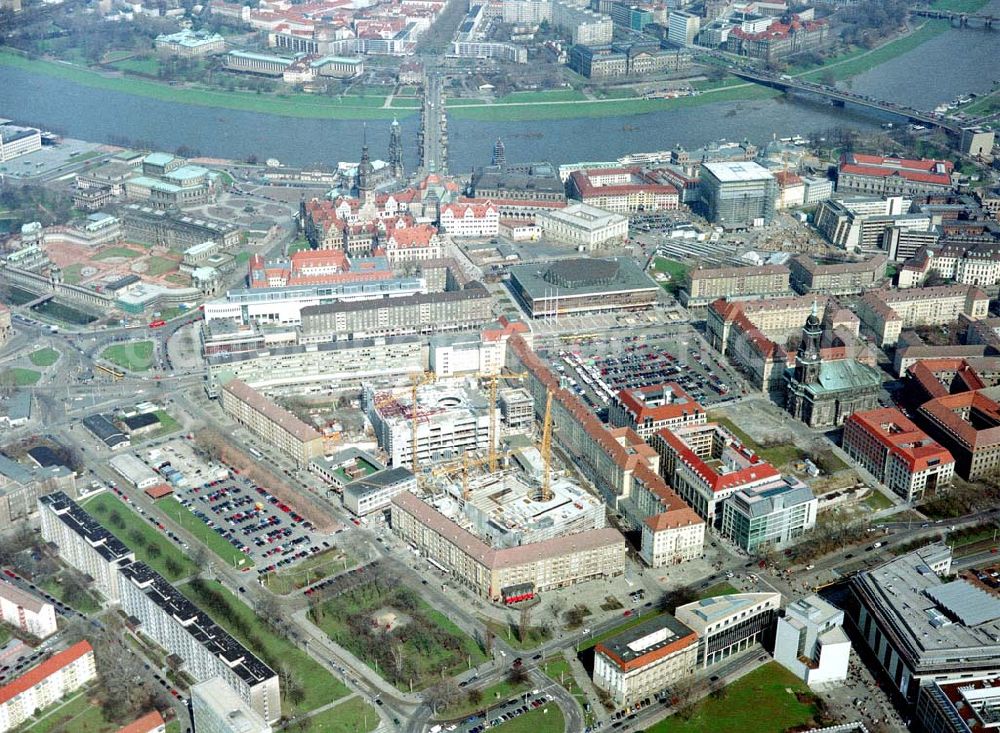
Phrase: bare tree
pixel 441 695
pixel 524 623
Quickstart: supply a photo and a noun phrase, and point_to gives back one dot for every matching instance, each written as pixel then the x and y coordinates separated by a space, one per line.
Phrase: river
pixel 953 63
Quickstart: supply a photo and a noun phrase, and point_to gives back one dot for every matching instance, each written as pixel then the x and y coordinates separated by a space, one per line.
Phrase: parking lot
pixel 596 372
pixel 255 522
pixel 500 714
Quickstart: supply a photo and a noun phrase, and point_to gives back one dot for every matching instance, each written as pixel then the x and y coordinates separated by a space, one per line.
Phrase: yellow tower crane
pixel 494 379
pixel 546 451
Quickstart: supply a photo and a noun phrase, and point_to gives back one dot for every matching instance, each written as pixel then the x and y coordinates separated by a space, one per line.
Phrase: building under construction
pixel 504 510
pixel 450 419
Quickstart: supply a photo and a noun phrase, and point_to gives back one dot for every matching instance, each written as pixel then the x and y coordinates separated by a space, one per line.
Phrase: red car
pixel 157 323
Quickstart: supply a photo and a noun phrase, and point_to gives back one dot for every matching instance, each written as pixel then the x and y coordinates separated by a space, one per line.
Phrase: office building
pixel 26 611
pixel 728 625
pixel 271 423
pixel 46 684
pixel 921 628
pixel 702 286
pixel 810 641
pixel 780 39
pixel 584 226
pixel 961 705
pixel 83 543
pixel 17 141
pixel 622 190
pixel 885 313
pixel 645 659
pixel 181 628
pixel 21 485
pixel 877 175
pixel 738 195
pixel 683 27
pixel 647 410
pixel 450 419
pixel 585 27
pixel 771 517
pixel 836 278
pixel 967 423
pixel 133 470
pixel 582 285
pixel 895 451
pixel 822 392
pixel 346 362
pixel 627 59
pixel 509 572
pixel 216 708
pixel 373 493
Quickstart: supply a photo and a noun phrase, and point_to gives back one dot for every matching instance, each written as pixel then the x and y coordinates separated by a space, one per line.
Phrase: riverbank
pixel 305 106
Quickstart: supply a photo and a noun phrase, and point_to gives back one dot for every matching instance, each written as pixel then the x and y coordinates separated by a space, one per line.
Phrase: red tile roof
pixel 47 668
pixel 680 405
pixel 901 437
pixel 145 724
pixel 946 412
pixel 922 171
pixel 758 469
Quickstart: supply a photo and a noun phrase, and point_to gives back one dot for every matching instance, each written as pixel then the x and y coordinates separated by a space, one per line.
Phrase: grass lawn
pixel 429 641
pixel 283 104
pixel 299 245
pixel 4 635
pixel 88 604
pixel 319 686
pixel 500 692
pixel 156 266
pixel 676 270
pixel 202 532
pixel 959 6
pixel 546 719
pixel 73 274
pixel 78 715
pixel 44 357
pixel 136 356
pixel 615 94
pixel 557 668
pixel 242 258
pixel 351 716
pixel 138 66
pixel 777 455
pixel 555 95
pixel 148 543
pixel 112 252
pixel 876 501
pixel 719 589
pixel 20 377
pixel 765 701
pixel 309 571
pixel 536 636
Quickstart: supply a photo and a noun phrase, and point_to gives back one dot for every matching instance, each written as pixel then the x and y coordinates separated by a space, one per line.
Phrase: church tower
pixel 395 151
pixel 808 359
pixel 499 155
pixel 366 183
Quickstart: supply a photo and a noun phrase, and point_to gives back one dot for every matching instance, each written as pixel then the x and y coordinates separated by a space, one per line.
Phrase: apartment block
pixel 839 278
pixel 647 410
pixel 271 423
pixel 496 574
pixel 84 543
pixel 885 313
pixel 180 627
pixel 702 286
pixel 26 611
pixel 895 451
pixel 46 684
pixel 216 708
pixel 645 659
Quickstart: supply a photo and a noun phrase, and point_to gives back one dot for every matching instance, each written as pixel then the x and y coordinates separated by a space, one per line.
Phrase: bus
pixel 157 323
pixel 256 453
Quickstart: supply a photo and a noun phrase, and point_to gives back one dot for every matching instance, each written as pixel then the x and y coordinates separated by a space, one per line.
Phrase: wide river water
pixel 953 63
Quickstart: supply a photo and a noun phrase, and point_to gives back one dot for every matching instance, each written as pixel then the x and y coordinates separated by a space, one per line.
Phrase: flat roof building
pixel 645 659
pixel 133 470
pixel 738 194
pixel 810 641
pixel 215 708
pixel 728 625
pixel 922 628
pixel 584 226
pixel 373 493
pixel 180 627
pixel 704 285
pixel 769 516
pixel 582 285
pixel 84 543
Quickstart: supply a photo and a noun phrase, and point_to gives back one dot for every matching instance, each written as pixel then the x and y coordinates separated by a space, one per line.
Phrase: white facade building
pixel 583 225
pixel 83 542
pixel 17 141
pixel 217 709
pixel 683 27
pixel 26 611
pixel 133 470
pixel 46 684
pixel 480 219
pixel 374 493
pixel 728 625
pixel 811 643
